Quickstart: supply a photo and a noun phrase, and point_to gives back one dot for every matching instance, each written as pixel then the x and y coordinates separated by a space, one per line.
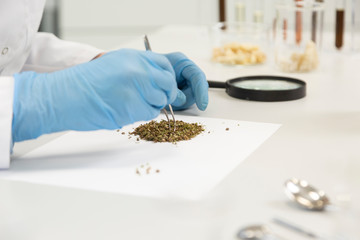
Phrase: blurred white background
pixel 108 23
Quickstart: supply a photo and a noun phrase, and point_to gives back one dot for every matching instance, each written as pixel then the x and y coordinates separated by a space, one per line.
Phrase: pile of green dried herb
pixel 160 131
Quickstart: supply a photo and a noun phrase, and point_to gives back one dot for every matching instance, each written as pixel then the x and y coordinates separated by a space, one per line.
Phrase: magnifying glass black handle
pixel 216 84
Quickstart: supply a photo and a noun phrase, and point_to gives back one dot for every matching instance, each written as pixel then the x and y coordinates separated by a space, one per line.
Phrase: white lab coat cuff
pixel 49 53
pixel 6 115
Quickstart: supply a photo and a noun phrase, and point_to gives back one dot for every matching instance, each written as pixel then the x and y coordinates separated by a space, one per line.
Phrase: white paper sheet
pixel 108 160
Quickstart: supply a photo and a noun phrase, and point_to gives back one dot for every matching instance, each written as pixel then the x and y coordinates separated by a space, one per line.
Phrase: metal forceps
pixel 148 48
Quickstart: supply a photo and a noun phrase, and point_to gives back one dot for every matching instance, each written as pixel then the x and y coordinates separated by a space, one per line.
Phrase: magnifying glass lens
pixel 266 85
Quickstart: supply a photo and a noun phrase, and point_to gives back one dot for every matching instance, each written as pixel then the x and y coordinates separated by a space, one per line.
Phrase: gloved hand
pixel 190 80
pixel 110 92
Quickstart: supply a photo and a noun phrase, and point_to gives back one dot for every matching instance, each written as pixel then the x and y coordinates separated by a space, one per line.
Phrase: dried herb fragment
pixel 146 169
pixel 227 129
pixel 160 131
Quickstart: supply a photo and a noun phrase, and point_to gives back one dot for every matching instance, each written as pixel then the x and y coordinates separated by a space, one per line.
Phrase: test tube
pixel 222 10
pixel 274 23
pixel 258 16
pixel 339 23
pixel 314 20
pixel 282 23
pixel 313 26
pixel 355 25
pixel 240 13
pixel 298 23
pixel 285 27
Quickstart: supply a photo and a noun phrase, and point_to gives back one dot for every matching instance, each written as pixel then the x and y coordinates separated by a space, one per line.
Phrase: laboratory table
pixel 319 140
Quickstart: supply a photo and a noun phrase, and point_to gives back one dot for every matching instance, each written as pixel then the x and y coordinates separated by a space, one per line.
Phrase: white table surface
pixel 319 141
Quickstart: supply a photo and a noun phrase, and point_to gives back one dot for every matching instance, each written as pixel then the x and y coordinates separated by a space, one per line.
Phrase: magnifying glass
pixel 263 88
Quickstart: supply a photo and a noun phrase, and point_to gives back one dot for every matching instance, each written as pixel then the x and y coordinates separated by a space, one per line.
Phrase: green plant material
pixel 160 131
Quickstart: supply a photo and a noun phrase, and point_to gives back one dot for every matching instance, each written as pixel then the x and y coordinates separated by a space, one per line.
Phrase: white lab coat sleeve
pixel 6 112
pixel 49 53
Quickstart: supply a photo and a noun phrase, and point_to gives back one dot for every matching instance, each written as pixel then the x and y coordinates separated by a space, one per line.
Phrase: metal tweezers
pixel 148 48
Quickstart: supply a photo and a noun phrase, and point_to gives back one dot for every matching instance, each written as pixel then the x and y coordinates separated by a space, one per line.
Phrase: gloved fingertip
pixel 181 96
pixel 180 99
pixel 203 103
pixel 202 106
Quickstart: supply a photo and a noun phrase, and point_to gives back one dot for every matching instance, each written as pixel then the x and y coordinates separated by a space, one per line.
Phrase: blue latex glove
pixel 190 80
pixel 110 92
